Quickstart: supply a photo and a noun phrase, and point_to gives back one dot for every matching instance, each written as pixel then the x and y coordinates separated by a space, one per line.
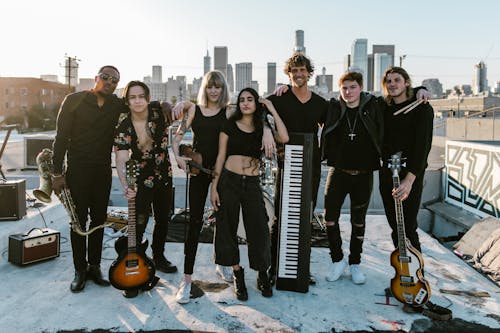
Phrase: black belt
pixel 354 172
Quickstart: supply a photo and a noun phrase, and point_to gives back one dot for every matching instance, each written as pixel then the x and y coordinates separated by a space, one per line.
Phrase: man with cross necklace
pixel 351 143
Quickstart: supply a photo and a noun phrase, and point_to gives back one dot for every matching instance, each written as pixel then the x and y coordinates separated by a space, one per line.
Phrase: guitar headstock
pixel 396 162
pixel 131 170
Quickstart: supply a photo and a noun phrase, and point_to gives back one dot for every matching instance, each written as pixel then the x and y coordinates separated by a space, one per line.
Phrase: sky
pixel 441 39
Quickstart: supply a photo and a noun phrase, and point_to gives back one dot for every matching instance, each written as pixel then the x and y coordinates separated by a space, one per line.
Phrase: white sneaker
pixel 184 292
pixel 357 276
pixel 225 272
pixel 336 270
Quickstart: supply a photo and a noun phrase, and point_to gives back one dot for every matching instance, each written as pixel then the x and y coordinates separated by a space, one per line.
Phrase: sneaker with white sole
pixel 336 270
pixel 184 292
pixel 357 276
pixel 225 272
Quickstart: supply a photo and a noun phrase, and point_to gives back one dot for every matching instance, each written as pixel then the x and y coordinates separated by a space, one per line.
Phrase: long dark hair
pixel 256 120
pixel 257 115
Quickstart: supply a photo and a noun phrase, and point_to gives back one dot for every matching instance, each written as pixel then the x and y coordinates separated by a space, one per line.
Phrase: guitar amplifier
pixel 12 199
pixel 35 245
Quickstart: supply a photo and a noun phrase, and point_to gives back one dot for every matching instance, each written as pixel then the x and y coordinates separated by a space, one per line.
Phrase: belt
pixel 354 172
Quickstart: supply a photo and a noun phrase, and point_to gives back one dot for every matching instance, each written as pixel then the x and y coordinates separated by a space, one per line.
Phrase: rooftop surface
pixel 36 297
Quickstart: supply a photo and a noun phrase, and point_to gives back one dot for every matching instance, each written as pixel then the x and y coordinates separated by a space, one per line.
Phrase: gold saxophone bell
pixel 44 192
pixel 44 162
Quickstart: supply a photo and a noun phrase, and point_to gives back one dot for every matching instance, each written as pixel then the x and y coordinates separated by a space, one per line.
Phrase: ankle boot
pixel 240 289
pixel 78 282
pixel 264 284
pixel 94 273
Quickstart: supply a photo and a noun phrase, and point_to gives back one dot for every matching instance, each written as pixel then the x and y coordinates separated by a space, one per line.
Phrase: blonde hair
pixel 213 78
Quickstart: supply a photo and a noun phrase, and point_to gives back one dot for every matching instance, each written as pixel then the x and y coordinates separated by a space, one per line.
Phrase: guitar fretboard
pixel 399 218
pixel 131 239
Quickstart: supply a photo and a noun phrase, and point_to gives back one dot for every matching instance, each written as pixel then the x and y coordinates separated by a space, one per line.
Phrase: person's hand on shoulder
pixel 281 90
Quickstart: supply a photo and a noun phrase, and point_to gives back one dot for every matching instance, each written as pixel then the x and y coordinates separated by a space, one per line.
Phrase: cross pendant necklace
pixel 351 134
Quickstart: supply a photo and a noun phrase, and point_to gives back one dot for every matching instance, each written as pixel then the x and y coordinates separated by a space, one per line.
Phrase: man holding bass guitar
pixel 409 133
pixel 144 133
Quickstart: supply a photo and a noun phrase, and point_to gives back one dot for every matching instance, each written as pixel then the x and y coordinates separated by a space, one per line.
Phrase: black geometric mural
pixel 472 179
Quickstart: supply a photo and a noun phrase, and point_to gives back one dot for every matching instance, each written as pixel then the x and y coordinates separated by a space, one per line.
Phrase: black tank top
pixel 206 135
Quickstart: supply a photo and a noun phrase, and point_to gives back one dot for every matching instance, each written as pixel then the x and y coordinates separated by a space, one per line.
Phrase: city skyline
pixel 437 41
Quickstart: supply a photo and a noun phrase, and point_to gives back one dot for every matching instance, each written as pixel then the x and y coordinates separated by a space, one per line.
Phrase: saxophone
pixel 44 192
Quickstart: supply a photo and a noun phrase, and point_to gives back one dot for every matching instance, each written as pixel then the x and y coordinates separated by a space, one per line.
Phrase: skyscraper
pixel 220 59
pixel 230 78
pixel 206 63
pixel 376 48
pixel 243 75
pixel 480 78
pixel 157 74
pixel 387 48
pixel 299 41
pixel 271 77
pixel 381 61
pixel 359 56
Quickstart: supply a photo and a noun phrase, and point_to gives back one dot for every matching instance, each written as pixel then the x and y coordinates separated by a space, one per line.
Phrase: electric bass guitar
pixel 408 285
pixel 133 269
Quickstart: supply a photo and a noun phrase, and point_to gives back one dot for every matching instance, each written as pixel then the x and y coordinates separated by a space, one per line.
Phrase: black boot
pixel 163 265
pixel 94 274
pixel 78 282
pixel 264 284
pixel 240 289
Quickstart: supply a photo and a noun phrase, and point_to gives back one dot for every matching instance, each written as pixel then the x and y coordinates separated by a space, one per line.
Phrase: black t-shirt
pixel 355 148
pixel 241 142
pixel 301 117
pixel 206 135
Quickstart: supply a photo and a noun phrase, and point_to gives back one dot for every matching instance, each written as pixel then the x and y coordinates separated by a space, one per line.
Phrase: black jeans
pixel 410 206
pixel 198 190
pixel 160 198
pixel 316 175
pixel 90 187
pixel 359 187
pixel 235 192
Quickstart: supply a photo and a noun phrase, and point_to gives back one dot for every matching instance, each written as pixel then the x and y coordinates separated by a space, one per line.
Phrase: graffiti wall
pixel 472 179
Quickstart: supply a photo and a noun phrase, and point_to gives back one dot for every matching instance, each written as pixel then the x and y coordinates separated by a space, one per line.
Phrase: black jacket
pixel 370 110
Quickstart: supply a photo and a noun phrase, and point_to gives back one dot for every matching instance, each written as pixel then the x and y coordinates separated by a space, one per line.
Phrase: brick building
pixel 19 95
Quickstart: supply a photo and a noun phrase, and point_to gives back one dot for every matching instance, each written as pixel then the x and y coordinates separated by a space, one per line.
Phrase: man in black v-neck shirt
pixel 302 111
pixel 351 143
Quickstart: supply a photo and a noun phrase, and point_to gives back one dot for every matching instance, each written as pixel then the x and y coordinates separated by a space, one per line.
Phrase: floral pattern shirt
pixel 153 165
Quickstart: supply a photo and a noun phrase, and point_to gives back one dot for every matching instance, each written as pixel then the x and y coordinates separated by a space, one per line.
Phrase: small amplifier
pixel 35 245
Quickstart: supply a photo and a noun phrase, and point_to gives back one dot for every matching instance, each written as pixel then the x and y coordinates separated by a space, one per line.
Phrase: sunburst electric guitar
pixel 408 285
pixel 133 269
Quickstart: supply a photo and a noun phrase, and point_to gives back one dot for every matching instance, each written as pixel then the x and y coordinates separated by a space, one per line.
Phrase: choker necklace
pixel 351 134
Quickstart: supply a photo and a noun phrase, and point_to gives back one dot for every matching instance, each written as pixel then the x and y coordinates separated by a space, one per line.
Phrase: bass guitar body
pixel 409 285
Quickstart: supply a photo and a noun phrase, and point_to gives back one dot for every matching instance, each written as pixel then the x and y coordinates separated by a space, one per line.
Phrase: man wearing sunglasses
pixel 84 135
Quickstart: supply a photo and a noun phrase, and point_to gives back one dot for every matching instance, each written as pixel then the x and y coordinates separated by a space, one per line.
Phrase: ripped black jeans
pixel 359 187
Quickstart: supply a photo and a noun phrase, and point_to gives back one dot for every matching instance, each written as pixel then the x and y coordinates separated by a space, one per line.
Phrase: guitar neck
pixel 131 239
pixel 399 219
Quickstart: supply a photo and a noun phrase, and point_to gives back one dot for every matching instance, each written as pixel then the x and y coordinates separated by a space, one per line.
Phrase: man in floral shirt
pixel 143 136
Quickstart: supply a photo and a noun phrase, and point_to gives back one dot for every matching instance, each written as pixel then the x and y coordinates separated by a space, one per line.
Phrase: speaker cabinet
pixel 12 199
pixel 33 145
pixel 36 245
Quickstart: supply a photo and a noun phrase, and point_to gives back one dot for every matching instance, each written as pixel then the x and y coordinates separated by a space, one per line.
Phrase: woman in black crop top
pixel 205 119
pixel 236 184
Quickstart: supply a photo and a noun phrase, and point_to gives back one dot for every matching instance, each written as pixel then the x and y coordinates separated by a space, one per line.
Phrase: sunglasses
pixel 107 77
